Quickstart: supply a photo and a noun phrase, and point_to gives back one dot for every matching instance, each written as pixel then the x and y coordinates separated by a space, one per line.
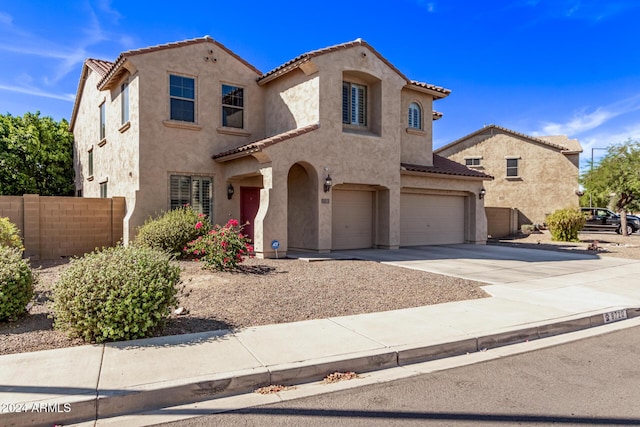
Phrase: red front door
pixel 249 205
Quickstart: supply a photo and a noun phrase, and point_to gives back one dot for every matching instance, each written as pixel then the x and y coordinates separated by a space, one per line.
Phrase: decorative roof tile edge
pixel 206 39
pixel 444 166
pixel 539 140
pixel 305 57
pixel 256 146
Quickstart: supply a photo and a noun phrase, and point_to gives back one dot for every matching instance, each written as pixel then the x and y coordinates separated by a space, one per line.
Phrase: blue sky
pixel 540 67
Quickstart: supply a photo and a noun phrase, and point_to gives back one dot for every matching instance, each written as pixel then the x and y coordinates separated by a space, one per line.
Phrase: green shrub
pixel 9 235
pixel 117 293
pixel 564 224
pixel 171 231
pixel 16 283
pixel 222 248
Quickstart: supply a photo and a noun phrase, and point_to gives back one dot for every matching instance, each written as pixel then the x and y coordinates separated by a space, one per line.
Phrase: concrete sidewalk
pixel 536 294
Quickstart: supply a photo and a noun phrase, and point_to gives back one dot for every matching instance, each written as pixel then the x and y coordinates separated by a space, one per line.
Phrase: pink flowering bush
pixel 222 248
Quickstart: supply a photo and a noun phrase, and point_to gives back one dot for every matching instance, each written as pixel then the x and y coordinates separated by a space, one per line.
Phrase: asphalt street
pixel 594 381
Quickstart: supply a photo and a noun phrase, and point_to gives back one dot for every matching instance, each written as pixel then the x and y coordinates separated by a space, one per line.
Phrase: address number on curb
pixel 614 316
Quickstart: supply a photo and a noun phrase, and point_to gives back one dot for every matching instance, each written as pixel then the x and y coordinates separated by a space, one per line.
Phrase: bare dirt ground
pixel 269 291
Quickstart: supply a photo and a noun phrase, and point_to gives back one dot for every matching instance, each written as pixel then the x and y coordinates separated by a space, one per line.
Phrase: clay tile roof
pixel 115 68
pixel 431 87
pixel 256 146
pixel 99 66
pixel 559 142
pixel 444 166
pixel 305 57
pixel 436 115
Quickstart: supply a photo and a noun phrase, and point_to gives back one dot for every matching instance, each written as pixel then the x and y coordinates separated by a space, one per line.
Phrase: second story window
pixel 103 190
pixel 90 163
pixel 512 167
pixel 232 106
pixel 354 104
pixel 415 116
pixel 103 121
pixel 182 96
pixel 472 161
pixel 124 102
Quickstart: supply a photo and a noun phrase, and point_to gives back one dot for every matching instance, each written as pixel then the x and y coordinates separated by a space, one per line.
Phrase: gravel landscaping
pixel 269 291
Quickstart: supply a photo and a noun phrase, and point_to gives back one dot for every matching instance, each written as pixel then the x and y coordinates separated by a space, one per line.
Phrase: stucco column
pixel 271 220
pixel 325 201
pixel 477 220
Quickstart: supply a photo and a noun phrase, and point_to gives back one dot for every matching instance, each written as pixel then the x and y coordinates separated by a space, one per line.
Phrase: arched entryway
pixel 302 207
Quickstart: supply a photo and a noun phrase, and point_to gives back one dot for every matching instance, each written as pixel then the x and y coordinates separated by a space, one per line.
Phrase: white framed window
pixel 354 104
pixel 414 119
pixel 512 167
pixel 232 106
pixel 182 98
pixel 103 121
pixel 124 102
pixel 196 191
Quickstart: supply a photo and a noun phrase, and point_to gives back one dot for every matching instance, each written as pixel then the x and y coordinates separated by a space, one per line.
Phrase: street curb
pixel 159 395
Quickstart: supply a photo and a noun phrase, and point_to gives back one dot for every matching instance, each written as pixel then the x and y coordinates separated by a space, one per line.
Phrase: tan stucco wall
pixel 548 179
pixel 417 145
pixel 293 102
pixel 143 156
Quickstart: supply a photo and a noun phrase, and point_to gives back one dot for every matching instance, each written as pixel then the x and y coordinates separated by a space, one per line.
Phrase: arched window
pixel 415 116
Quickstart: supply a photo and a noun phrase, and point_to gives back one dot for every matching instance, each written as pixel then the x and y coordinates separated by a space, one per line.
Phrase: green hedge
pixel 565 224
pixel 16 283
pixel 118 293
pixel 171 231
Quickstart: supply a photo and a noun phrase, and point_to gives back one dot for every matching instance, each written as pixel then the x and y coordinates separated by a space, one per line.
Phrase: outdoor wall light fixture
pixel 328 182
pixel 230 191
pixel 482 193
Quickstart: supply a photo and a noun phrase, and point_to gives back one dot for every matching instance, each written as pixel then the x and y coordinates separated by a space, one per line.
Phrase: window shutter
pixel 180 191
pixel 345 103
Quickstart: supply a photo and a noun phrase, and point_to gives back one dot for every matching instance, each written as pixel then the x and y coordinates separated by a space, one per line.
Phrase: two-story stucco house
pixel 331 150
pixel 536 175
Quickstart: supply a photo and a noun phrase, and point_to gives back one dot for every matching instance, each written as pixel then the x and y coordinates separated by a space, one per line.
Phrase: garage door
pixel 352 219
pixel 427 219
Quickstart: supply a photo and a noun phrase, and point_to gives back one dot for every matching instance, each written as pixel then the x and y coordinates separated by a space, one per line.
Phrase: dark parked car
pixel 601 219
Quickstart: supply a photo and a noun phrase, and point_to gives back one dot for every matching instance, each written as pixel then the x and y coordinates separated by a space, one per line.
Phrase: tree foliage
pixel 36 156
pixel 616 178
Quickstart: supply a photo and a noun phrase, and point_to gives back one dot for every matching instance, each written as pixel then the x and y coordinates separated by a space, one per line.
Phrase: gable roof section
pixel 437 91
pixel 558 142
pixel 257 146
pixel 116 69
pixel 444 166
pixel 98 66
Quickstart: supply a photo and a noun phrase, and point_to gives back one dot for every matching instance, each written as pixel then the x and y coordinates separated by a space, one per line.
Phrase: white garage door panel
pixel 427 219
pixel 352 219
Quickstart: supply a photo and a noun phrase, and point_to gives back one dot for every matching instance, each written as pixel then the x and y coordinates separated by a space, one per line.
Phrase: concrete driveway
pixel 556 279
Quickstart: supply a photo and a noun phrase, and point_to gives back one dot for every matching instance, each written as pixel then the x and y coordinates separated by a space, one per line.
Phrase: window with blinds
pixel 415 113
pixel 354 104
pixel 232 106
pixel 196 191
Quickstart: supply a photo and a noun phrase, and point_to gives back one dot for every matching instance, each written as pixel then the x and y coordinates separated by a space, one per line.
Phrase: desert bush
pixel 564 224
pixel 117 293
pixel 16 283
pixel 171 231
pixel 9 234
pixel 222 248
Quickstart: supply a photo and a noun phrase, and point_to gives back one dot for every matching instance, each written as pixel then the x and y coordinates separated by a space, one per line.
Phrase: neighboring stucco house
pixel 191 122
pixel 536 175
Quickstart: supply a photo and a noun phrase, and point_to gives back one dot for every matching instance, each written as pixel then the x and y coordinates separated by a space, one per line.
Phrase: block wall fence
pixel 501 222
pixel 55 227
